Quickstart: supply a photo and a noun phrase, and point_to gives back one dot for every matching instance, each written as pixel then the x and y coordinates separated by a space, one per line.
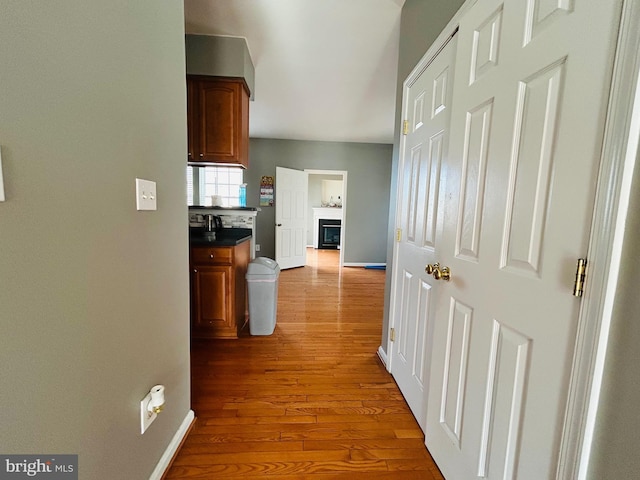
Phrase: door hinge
pixel 398 234
pixel 405 127
pixel 392 334
pixel 581 268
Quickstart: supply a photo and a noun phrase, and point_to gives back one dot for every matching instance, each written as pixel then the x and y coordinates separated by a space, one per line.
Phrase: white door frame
pixel 343 225
pixel 619 153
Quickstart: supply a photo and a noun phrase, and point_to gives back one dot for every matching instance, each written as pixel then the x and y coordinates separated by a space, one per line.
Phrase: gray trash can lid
pixel 263 266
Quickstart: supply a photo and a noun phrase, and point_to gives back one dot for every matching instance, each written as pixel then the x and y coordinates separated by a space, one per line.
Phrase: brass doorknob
pixel 442 274
pixel 438 273
pixel 431 267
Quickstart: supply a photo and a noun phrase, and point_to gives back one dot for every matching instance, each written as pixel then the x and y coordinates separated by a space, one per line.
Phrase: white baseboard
pixel 383 357
pixel 172 448
pixel 366 264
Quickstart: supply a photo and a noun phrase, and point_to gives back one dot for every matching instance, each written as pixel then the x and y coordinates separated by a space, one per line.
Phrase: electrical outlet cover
pixel 146 417
pixel 2 198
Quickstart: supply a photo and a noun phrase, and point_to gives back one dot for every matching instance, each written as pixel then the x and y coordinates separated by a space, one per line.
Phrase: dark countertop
pixel 228 237
pixel 199 207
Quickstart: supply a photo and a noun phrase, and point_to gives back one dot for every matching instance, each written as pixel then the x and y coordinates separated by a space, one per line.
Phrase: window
pixel 203 182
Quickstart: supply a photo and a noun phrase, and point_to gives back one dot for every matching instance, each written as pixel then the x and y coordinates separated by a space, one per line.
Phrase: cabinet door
pixel 212 308
pixel 223 122
pixel 192 120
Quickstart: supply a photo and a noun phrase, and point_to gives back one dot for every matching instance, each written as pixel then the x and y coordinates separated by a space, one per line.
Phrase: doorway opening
pixel 327 200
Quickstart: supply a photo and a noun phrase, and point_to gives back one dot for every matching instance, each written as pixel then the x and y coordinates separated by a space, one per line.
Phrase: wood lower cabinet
pixel 218 120
pixel 219 290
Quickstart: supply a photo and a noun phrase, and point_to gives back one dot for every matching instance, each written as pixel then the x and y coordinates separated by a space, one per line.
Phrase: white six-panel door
pixel 424 153
pixel 291 217
pixel 530 97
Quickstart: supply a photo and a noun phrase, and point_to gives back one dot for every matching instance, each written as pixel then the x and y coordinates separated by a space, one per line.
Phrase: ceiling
pixel 324 69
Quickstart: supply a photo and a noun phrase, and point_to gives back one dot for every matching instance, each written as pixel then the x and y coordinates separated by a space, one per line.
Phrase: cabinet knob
pixel 211 256
pixel 201 155
pixel 195 271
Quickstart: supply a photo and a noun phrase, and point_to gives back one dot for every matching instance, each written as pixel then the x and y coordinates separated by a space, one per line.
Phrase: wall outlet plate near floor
pixel 146 417
pixel 2 197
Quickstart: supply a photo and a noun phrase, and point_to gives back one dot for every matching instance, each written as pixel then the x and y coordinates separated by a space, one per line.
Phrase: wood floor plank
pixel 367 417
pixel 286 456
pixel 399 475
pixel 205 449
pixel 300 469
pixel 389 454
pixel 311 401
pixel 363 444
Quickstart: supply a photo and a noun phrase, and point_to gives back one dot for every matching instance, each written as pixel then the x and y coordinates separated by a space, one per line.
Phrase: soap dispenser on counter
pixel 242 194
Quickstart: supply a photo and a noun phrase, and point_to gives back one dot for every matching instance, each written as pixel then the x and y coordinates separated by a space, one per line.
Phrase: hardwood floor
pixel 312 401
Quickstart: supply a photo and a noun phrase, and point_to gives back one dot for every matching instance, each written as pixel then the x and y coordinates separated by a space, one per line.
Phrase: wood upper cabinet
pixel 218 120
pixel 218 290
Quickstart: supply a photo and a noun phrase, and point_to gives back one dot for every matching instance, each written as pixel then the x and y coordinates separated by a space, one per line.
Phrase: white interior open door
pixel 529 101
pixel 291 217
pixel 423 158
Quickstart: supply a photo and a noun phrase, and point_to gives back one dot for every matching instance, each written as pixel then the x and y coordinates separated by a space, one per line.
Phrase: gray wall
pixel 94 306
pixel 220 56
pixel 420 24
pixel 369 168
pixel 617 434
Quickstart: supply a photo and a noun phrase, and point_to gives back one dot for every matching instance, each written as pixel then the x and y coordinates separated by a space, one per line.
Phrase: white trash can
pixel 262 284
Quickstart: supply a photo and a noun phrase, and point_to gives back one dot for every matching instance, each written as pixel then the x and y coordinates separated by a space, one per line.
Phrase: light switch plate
pixel 2 197
pixel 145 194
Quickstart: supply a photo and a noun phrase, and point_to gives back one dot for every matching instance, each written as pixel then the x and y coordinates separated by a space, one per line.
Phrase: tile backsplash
pixel 228 220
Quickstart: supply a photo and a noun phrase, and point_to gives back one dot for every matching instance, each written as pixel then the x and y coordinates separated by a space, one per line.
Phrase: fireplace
pixel 329 233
